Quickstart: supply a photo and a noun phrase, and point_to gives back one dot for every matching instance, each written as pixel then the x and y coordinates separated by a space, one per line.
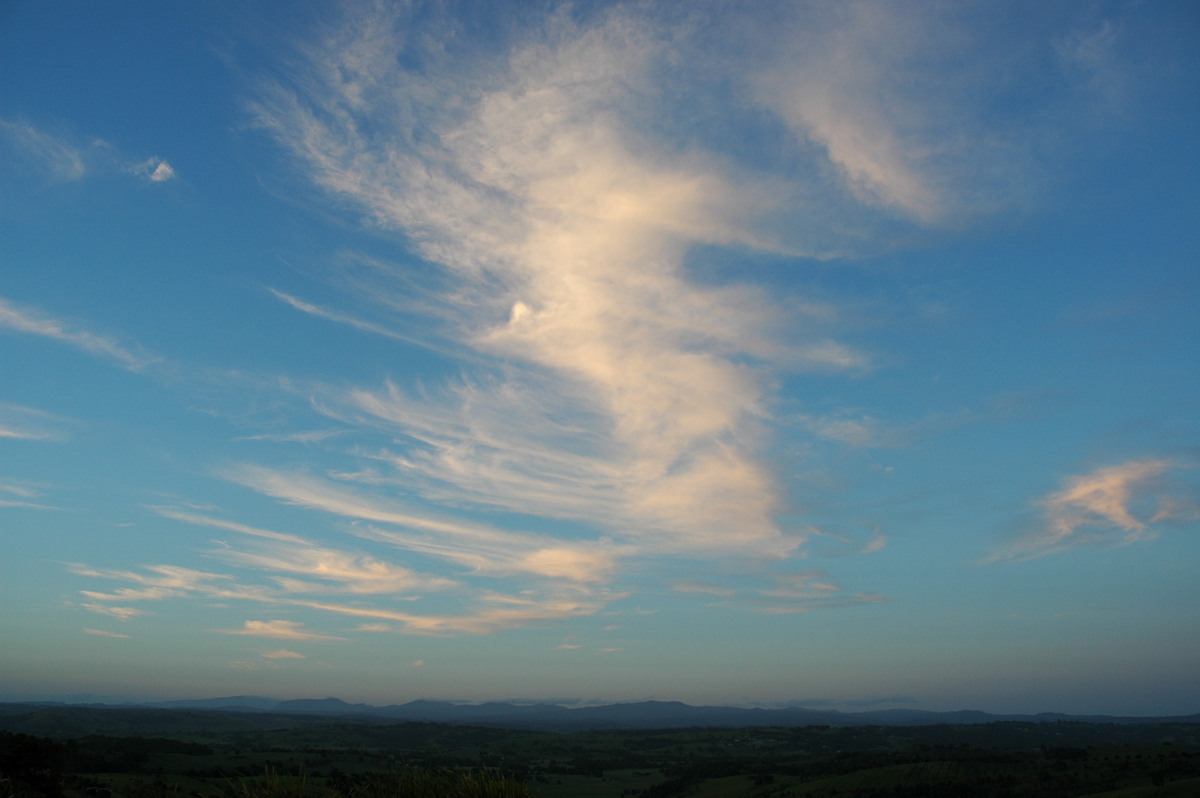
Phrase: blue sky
pixel 833 353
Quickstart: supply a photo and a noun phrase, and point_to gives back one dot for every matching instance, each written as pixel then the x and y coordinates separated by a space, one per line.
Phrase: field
pixel 112 753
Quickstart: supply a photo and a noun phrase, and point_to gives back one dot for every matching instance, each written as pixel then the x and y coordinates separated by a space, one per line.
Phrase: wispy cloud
pixel 283 653
pixel 103 633
pixel 27 423
pixel 691 586
pixel 301 574
pixel 283 630
pixel 1118 504
pixel 558 196
pixel 339 318
pixel 61 160
pixel 480 547
pixel 120 613
pixel 67 160
pixel 34 322
pixel 565 231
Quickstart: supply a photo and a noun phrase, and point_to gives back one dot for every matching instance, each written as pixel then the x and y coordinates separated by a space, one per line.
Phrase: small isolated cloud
pixel 283 653
pixel 1115 505
pixel 420 663
pixel 373 627
pixel 282 630
pixel 34 322
pixel 156 170
pixel 567 647
pixel 102 633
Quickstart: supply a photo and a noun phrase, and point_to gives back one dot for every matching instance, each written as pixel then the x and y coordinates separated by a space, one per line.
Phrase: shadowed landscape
pixel 113 752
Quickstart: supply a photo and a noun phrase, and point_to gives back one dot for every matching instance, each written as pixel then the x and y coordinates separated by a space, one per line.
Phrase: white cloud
pixel 283 653
pixel 156 170
pixel 34 322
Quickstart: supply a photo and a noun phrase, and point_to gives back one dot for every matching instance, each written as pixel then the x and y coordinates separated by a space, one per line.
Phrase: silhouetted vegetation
pixel 294 757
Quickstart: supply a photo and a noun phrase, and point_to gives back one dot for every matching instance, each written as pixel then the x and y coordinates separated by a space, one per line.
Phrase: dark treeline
pixel 206 758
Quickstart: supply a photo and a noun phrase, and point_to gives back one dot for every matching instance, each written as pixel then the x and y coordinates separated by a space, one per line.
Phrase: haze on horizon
pixel 727 353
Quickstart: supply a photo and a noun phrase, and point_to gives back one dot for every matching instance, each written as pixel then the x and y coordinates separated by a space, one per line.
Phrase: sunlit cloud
pixel 34 322
pixel 1113 505
pixel 283 653
pixel 565 230
pixel 611 404
pixel 120 613
pixel 283 630
pixel 480 547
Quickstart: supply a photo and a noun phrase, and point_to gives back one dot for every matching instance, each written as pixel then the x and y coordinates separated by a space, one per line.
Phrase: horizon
pixel 870 708
pixel 707 352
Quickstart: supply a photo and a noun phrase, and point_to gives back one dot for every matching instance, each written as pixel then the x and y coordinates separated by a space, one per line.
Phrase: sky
pixel 836 354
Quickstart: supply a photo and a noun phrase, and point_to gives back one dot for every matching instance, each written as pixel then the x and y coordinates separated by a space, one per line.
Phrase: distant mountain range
pixel 637 715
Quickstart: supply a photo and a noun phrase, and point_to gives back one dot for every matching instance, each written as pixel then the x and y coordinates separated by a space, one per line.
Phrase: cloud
pixel 34 322
pixel 614 402
pixel 339 318
pixel 373 627
pixel 283 630
pixel 67 161
pixel 156 170
pixel 23 492
pixel 689 586
pixel 1113 505
pixel 337 570
pixel 481 547
pixel 61 160
pixel 334 575
pixel 102 633
pixel 120 613
pixel 282 653
pixel 564 231
pixel 27 423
